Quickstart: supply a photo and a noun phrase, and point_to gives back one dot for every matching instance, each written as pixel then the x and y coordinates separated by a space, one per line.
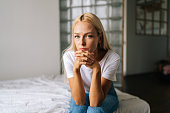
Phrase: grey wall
pixel 142 51
pixel 29 38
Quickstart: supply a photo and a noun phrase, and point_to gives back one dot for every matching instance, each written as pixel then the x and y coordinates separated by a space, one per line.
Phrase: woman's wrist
pixel 76 70
pixel 96 70
pixel 96 66
pixel 76 67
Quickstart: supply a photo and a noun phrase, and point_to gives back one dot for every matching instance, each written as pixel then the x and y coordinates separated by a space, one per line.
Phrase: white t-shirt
pixel 109 65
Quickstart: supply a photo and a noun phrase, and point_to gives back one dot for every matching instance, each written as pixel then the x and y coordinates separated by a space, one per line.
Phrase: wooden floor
pixel 151 88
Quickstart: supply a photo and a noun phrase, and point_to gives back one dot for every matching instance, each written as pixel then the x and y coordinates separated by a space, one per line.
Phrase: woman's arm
pixel 76 86
pixel 99 86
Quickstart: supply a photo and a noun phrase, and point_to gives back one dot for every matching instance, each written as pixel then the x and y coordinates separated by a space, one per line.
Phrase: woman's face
pixel 85 36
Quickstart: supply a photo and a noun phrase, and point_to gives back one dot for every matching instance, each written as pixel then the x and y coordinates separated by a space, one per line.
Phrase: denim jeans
pixel 109 105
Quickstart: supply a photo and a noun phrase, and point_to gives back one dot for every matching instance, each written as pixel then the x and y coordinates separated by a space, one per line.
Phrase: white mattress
pixel 49 94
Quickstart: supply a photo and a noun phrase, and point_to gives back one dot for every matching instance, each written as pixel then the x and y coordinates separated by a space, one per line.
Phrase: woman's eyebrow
pixel 76 33
pixel 84 33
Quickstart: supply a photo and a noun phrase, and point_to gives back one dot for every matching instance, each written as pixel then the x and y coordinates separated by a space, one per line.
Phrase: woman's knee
pixel 110 104
pixel 79 109
pixel 75 108
pixel 95 110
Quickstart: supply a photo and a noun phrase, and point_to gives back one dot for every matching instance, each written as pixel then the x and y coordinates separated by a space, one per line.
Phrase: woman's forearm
pixel 78 92
pixel 96 93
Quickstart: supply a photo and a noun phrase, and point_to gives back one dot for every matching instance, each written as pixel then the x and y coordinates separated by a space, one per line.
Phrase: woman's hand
pixel 85 58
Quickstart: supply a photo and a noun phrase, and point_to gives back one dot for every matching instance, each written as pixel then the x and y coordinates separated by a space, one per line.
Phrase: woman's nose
pixel 82 41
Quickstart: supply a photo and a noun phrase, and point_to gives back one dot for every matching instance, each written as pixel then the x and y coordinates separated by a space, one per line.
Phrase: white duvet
pixel 49 94
pixel 43 94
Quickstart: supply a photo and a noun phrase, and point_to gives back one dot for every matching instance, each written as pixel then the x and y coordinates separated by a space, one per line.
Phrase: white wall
pixel 29 38
pixel 142 51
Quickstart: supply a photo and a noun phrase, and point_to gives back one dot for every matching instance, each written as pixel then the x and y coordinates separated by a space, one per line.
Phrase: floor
pixel 151 88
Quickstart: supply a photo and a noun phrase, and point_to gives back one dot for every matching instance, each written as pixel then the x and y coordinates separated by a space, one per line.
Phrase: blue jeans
pixel 109 105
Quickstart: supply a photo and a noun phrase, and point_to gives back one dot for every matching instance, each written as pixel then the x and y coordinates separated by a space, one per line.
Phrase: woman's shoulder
pixel 68 54
pixel 112 55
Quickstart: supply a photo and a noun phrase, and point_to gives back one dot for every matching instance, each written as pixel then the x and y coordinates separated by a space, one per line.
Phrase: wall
pixel 142 51
pixel 29 38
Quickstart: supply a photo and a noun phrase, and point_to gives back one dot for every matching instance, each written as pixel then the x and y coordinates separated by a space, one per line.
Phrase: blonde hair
pixel 95 21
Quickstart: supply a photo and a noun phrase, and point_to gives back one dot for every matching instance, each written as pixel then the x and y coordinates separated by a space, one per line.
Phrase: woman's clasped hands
pixel 84 58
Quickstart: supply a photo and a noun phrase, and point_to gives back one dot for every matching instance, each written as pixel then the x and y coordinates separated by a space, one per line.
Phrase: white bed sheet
pixel 50 94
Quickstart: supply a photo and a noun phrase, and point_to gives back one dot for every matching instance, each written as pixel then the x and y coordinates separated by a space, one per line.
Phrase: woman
pixel 91 67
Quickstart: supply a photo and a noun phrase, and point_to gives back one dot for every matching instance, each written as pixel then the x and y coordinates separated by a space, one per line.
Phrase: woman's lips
pixel 83 49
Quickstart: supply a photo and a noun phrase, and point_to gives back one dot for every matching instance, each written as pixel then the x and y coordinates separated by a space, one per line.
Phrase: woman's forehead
pixel 82 27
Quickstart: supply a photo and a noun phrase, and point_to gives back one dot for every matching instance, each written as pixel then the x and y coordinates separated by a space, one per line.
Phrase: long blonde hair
pixel 95 21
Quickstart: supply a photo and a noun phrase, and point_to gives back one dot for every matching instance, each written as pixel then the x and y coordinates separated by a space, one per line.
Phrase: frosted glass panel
pixel 64 27
pixel 164 3
pixel 115 40
pixel 149 28
pixel 150 16
pixel 164 16
pixel 69 37
pixel 157 15
pixel 116 11
pixel 76 12
pixel 105 24
pixel 88 2
pixel 140 12
pixel 115 25
pixel 69 26
pixel 65 3
pixel 65 14
pixel 140 27
pixel 101 2
pixel 163 28
pixel 101 11
pixel 76 2
pixel 64 41
pixel 88 9
pixel 156 28
pixel 113 1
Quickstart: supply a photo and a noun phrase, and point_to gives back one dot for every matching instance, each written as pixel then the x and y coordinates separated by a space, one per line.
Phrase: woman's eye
pixel 77 37
pixel 89 36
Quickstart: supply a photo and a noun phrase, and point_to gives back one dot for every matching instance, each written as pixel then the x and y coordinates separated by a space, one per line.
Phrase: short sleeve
pixel 68 61
pixel 111 66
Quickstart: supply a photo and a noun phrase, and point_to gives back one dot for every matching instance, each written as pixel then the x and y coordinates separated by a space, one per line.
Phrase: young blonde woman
pixel 91 66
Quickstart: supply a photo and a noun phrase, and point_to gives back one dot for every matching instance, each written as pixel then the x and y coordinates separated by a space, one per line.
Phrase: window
pixel 110 14
pixel 152 17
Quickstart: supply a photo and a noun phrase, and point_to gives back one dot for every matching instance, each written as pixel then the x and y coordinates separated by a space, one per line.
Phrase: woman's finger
pixel 84 54
pixel 85 61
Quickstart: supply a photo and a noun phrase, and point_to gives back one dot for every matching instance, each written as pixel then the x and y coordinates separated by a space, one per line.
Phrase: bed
pixel 51 94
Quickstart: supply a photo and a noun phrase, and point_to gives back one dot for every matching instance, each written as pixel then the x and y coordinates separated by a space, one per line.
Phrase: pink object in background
pixel 166 69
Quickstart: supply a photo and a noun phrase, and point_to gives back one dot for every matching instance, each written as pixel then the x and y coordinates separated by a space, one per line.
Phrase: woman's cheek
pixel 94 47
